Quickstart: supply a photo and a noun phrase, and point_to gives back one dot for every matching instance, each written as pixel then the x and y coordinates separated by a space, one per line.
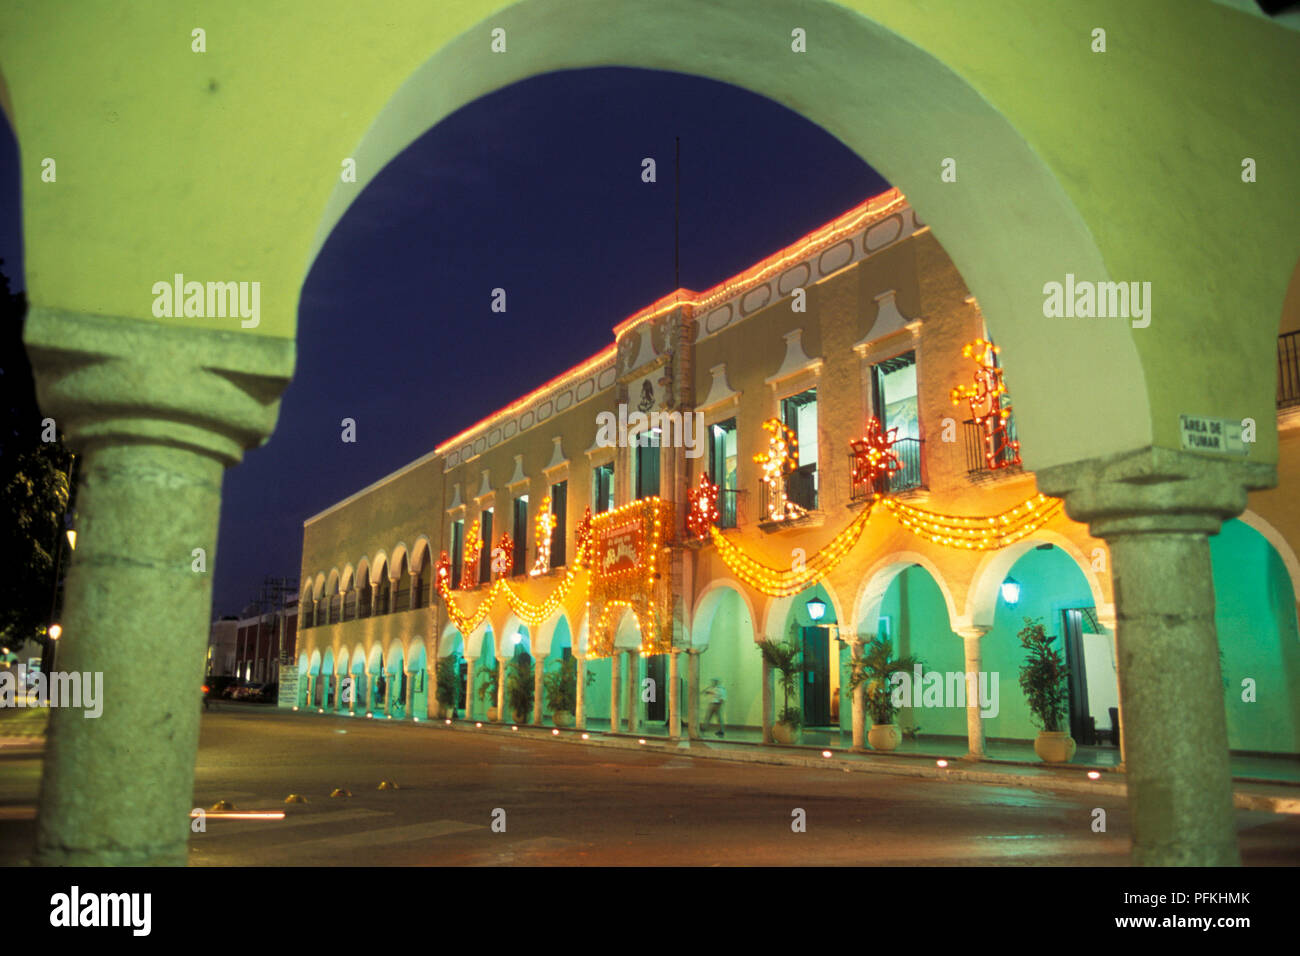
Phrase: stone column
pixel 580 705
pixel 634 676
pixel 501 689
pixel 1154 508
pixel 767 702
pixel 859 698
pixel 613 692
pixel 539 671
pixel 693 693
pixel 311 689
pixel 469 687
pixel 156 413
pixel 970 636
pixel 674 695
pixel 408 705
pixel 1106 618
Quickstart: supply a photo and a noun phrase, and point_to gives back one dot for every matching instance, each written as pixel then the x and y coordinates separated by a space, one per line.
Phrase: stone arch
pixel 982 599
pixel 399 561
pixel 778 609
pixel 546 632
pixel 1280 544
pixel 708 601
pixel 421 553
pixel 347 578
pixel 919 107
pixel 378 567
pixel 320 586
pixel 876 582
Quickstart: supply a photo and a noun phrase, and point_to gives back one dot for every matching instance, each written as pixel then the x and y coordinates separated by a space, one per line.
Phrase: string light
pixel 473 548
pixel 704 508
pixel 544 524
pixel 873 455
pixel 503 556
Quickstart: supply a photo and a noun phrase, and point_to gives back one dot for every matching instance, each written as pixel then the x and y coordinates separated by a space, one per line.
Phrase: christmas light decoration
pixel 988 407
pixel 873 455
pixel 704 508
pixel 473 548
pixel 779 583
pixel 625 551
pixel 977 533
pixel 544 524
pixel 780 459
pixel 503 556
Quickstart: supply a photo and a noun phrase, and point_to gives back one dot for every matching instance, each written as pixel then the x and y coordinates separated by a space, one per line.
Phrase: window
pixel 560 509
pixel 645 451
pixel 519 556
pixel 799 413
pixel 485 556
pixel 894 404
pixel 602 488
pixel 723 463
pixel 457 551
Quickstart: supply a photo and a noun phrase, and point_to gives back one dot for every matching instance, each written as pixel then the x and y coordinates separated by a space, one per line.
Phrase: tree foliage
pixel 1044 677
pixel 34 489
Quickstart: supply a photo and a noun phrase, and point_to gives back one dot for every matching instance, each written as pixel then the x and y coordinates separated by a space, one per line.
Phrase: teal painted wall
pixel 733 658
pixel 1255 614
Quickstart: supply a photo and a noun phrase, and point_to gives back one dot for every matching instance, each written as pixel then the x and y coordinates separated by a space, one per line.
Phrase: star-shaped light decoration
pixel 873 454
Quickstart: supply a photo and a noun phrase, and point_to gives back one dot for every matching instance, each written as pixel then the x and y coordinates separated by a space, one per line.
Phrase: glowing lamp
pixel 55 631
pixel 1011 591
pixel 816 608
pixel 1093 775
pixel 72 539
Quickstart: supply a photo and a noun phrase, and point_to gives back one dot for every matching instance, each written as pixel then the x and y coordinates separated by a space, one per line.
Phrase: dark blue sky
pixel 535 189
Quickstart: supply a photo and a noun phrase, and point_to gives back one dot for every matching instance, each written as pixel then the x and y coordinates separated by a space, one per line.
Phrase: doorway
pixel 816 677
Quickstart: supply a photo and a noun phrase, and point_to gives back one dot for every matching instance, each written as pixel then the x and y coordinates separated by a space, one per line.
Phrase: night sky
pixel 535 189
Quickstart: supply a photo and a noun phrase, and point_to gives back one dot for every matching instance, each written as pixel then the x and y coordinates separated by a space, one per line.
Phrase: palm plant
pixel 876 667
pixel 1044 677
pixel 784 657
pixel 448 682
pixel 519 685
pixel 561 685
pixel 487 684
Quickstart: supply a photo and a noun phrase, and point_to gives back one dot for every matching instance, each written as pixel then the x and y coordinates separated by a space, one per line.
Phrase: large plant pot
pixel 492 714
pixel 449 713
pixel 1054 746
pixel 562 718
pixel 784 733
pixel 884 736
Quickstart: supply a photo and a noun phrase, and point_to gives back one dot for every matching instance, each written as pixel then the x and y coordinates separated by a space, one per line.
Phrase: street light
pixel 1011 591
pixel 72 538
pixel 55 631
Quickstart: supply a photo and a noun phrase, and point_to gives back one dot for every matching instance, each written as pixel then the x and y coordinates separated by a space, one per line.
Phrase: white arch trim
pixel 1280 545
pixel 876 582
pixel 982 599
pixel 706 608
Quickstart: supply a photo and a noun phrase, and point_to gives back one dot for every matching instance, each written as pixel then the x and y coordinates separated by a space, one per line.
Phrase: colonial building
pixel 840 411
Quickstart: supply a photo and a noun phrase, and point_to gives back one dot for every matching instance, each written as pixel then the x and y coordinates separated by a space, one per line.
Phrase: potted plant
pixel 519 688
pixel 487 690
pixel 448 678
pixel 561 687
pixel 1044 679
pixel 784 658
pixel 876 668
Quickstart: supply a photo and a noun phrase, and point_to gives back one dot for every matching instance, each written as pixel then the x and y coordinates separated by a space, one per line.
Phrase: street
pixel 570 804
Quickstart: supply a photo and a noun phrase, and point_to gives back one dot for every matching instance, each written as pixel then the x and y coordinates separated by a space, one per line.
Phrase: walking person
pixel 717 695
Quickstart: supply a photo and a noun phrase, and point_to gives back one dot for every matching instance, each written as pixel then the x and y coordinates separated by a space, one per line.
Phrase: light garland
pixel 780 459
pixel 544 524
pixel 777 583
pixel 704 508
pixel 987 406
pixel 977 533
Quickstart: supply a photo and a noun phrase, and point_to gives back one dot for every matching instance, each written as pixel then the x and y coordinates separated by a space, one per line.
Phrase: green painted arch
pixel 1068 160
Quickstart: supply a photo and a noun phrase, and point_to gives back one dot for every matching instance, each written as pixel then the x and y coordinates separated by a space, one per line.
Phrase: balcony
pixel 728 507
pixel 1288 370
pixel 978 465
pixel 907 478
pixel 800 489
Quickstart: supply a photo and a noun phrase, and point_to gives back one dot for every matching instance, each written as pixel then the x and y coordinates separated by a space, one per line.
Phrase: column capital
pixel 971 631
pixel 1155 491
pixel 110 379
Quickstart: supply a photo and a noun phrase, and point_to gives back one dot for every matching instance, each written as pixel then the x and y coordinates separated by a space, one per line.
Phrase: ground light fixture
pixel 584 736
pixel 556 733
pixel 941 763
pixel 826 753
pixel 816 608
pixel 478 724
pixel 1093 775
pixel 1011 591
pixel 72 538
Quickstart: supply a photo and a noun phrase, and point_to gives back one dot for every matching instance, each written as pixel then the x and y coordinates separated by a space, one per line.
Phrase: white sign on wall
pixel 288 695
pixel 1220 435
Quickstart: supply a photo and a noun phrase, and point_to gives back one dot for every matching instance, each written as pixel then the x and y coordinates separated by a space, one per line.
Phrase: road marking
pixel 361 840
pixel 219 828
